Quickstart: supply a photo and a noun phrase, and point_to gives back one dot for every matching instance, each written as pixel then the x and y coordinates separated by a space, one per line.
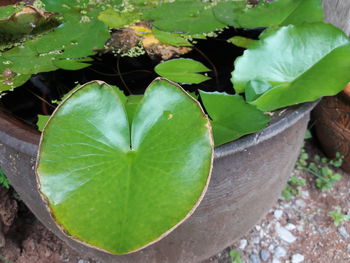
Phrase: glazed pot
pixel 332 126
pixel 248 177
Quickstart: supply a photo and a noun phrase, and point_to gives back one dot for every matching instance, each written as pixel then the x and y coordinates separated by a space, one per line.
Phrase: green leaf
pixel 42 120
pixel 18 23
pixel 235 256
pixel 116 19
pixel 7 11
pixel 302 63
pixel 231 116
pixel 227 12
pixel 188 17
pixel 255 88
pixel 10 79
pixel 239 41
pixel 131 104
pixel 182 70
pixel 266 14
pixel 3 180
pixel 281 13
pixel 120 188
pixel 172 39
pixel 66 47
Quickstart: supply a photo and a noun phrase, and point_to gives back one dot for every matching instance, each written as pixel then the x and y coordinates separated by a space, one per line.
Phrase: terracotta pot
pixel 332 125
pixel 248 177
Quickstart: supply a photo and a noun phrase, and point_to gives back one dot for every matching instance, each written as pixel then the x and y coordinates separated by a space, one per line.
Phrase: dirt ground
pixel 294 231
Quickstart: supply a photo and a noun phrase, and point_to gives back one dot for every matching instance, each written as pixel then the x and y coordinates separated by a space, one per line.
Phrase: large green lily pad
pixel 121 184
pixel 300 63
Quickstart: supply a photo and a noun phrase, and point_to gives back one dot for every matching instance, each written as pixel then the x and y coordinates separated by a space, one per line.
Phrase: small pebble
pixel 258 227
pixel 277 214
pixel 256 240
pixel 261 233
pixel 300 228
pixel 271 247
pixel 254 258
pixel 342 231
pixel 300 203
pixel 264 255
pixel 243 243
pixel 297 258
pixel 81 261
pixel 284 234
pixel 280 252
pixel 290 226
pixel 305 194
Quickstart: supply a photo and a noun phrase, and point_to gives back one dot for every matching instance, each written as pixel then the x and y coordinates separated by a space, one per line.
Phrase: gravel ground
pixel 299 229
pixel 295 230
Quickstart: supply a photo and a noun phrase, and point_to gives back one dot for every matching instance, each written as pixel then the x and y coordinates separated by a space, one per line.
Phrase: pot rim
pixel 23 138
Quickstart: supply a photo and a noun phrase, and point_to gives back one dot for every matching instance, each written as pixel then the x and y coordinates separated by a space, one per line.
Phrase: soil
pixel 307 233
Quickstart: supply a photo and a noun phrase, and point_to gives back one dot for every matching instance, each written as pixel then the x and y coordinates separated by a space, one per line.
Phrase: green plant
pixel 235 256
pixel 338 217
pixel 141 163
pixel 292 187
pixel 321 169
pixel 3 180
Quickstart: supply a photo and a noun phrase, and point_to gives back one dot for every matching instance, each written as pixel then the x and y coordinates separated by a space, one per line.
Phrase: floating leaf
pixel 188 17
pixel 302 63
pixel 182 70
pixel 115 19
pixel 231 116
pixel 266 14
pixel 42 120
pixel 239 41
pixel 67 47
pixel 281 13
pixel 227 12
pixel 21 23
pixel 171 38
pixel 121 184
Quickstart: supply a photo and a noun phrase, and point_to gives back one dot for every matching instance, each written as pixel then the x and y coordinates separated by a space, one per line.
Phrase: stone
pixel 300 203
pixel 256 240
pixel 277 214
pixel 264 255
pixel 261 234
pixel 254 258
pixel 243 243
pixel 290 226
pixel 280 252
pixel 297 258
pixel 342 231
pixel 305 194
pixel 284 234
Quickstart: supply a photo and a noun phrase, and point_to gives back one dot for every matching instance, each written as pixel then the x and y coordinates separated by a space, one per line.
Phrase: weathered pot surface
pixel 332 125
pixel 248 176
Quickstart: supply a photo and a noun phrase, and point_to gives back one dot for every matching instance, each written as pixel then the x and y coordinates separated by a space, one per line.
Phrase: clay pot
pixel 248 177
pixel 332 125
